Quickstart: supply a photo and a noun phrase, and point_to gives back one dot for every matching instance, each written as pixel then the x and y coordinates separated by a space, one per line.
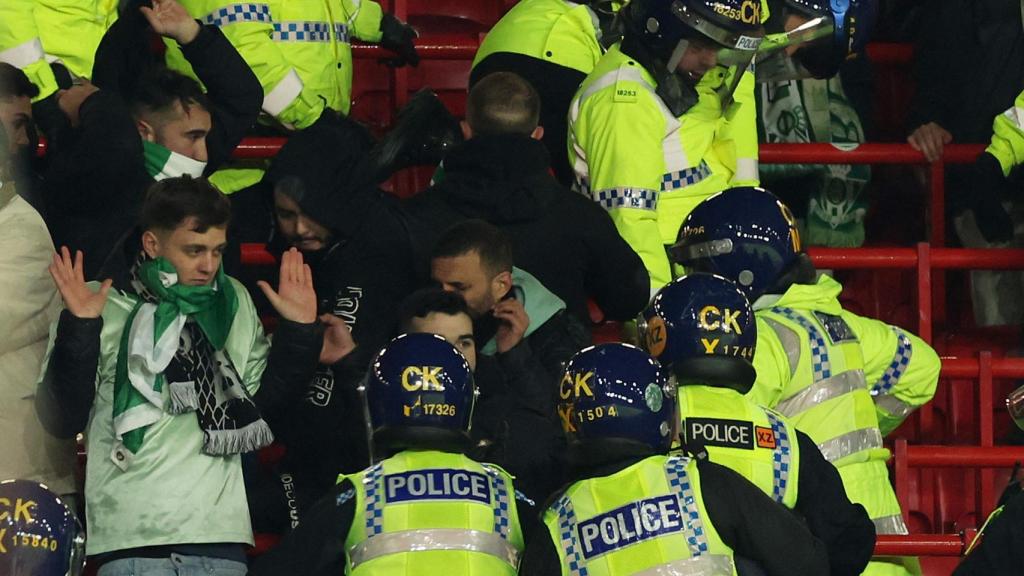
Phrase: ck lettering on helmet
pixel 426 378
pixel 711 318
pixel 635 522
pixel 749 12
pixel 576 385
pixel 21 508
pixel 437 484
pixel 719 432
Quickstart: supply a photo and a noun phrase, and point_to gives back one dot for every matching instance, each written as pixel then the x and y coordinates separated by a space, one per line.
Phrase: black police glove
pixel 987 186
pixel 398 37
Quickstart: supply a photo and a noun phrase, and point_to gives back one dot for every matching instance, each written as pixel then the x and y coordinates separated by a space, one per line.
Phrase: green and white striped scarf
pixel 161 163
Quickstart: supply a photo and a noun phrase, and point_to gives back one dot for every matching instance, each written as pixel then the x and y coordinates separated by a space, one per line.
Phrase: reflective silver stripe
pixel 567 535
pixel 900 361
pixel 822 391
pixel 746 169
pixel 23 54
pixel 790 341
pixel 682 489
pixel 434 539
pixel 640 198
pixel 707 565
pixel 780 457
pixel 893 406
pixel 890 525
pixel 1015 115
pixel 286 91
pixel 850 443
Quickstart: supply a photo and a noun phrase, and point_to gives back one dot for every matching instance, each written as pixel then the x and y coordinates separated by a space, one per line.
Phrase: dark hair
pixel 503 103
pixel 159 88
pixel 171 201
pixel 14 82
pixel 490 242
pixel 427 301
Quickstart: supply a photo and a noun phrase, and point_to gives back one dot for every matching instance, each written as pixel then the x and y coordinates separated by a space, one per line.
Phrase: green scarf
pixel 150 340
pixel 162 163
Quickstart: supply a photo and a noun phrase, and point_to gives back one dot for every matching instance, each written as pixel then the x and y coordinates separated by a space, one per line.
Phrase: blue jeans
pixel 175 565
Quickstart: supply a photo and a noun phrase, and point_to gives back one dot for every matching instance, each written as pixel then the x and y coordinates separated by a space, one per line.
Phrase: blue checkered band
pixel 238 13
pixel 301 32
pixel 900 361
pixel 341 33
pixel 500 503
pixel 374 495
pixel 683 178
pixel 567 535
pixel 819 351
pixel 780 458
pixel 679 483
pixel 641 198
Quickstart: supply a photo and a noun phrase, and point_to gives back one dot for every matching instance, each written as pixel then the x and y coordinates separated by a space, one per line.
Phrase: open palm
pixel 295 298
pixel 69 276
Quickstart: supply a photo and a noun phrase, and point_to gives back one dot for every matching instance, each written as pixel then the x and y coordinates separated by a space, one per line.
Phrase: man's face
pixel 467 276
pixel 298 228
pixel 457 329
pixel 195 256
pixel 699 57
pixel 16 119
pixel 180 130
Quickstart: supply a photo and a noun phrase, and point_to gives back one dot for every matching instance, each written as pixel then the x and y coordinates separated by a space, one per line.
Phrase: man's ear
pixel 151 243
pixel 537 133
pixel 146 131
pixel 467 132
pixel 503 282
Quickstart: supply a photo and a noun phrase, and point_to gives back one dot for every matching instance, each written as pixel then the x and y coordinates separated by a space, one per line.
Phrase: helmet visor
pixel 781 56
pixel 1015 405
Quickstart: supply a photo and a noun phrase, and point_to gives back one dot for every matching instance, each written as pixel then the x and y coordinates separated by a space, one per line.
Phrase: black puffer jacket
pixel 565 240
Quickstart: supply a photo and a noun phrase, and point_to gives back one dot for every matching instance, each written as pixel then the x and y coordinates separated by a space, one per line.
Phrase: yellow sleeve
pixel 364 19
pixel 621 130
pixel 1007 143
pixel 901 369
pixel 736 142
pixel 249 28
pixel 21 46
pixel 772 365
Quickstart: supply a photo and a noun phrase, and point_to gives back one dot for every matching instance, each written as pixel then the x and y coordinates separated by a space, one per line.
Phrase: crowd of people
pixel 430 400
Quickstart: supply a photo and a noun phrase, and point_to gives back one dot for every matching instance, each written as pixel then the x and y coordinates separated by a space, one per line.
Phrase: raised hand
pixel 295 299
pixel 69 277
pixel 170 19
pixel 512 324
pixel 338 341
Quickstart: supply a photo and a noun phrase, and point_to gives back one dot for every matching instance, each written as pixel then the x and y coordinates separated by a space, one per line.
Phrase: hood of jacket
pixel 822 296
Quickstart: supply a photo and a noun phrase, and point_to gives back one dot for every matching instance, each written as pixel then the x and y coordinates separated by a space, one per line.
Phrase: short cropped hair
pixel 490 242
pixel 427 301
pixel 14 83
pixel 158 90
pixel 171 201
pixel 503 103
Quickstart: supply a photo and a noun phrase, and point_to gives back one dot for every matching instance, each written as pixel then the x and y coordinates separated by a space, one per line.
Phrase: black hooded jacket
pixel 566 241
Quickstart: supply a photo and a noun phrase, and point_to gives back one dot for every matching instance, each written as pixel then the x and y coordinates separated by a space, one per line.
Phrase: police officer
pixel 423 507
pixel 39 534
pixel 667 117
pixel 635 508
pixel 553 44
pixel 844 379
pixel 702 329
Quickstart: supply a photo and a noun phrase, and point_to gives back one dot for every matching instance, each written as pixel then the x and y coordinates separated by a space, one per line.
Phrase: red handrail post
pixel 985 476
pixel 924 308
pixel 901 472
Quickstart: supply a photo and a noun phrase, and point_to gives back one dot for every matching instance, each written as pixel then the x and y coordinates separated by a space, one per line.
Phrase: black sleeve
pixel 842 526
pixel 1000 550
pixel 290 367
pixel 541 557
pixel 233 90
pixel 316 547
pixel 556 342
pixel 939 68
pixel 758 528
pixel 65 396
pixel 616 278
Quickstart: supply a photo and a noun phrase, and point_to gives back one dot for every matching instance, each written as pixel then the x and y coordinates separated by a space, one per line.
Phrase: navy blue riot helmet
pixel 745 234
pixel 702 328
pixel 419 393
pixel 820 35
pixel 615 397
pixel 39 534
